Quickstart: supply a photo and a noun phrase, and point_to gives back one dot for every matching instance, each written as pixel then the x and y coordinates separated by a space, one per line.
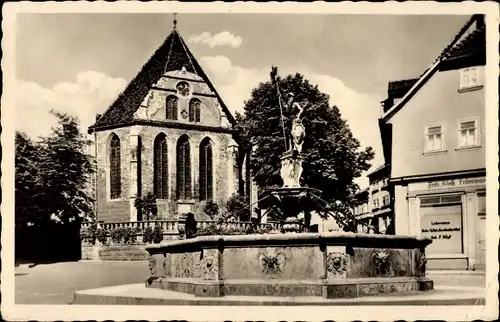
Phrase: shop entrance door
pixel 481 243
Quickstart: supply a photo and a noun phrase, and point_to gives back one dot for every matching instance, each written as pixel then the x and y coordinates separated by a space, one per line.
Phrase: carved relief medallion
pixel 272 263
pixel 165 266
pixel 209 268
pixel 381 263
pixel 183 265
pixel 336 263
pixel 421 264
pixel 152 266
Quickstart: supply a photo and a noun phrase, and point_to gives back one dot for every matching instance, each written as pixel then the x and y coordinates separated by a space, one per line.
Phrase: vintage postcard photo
pixel 216 161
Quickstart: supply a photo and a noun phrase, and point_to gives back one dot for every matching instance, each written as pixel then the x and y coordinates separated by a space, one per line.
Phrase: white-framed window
pixel 469 77
pixel 434 138
pixel 468 133
pixel 386 200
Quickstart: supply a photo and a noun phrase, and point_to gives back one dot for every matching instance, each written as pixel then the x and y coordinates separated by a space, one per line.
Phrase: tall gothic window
pixel 206 176
pixel 172 103
pixel 183 168
pixel 194 110
pixel 161 167
pixel 115 168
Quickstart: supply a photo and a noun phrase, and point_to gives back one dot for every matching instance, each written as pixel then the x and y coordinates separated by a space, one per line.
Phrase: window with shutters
pixel 115 168
pixel 206 169
pixel 434 138
pixel 194 110
pixel 172 103
pixel 468 133
pixel 183 168
pixel 161 167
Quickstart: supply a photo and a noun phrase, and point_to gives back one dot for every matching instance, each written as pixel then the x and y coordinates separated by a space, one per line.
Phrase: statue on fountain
pixel 291 162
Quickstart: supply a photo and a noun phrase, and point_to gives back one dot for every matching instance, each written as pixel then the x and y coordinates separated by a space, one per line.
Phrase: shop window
pixel 442 223
pixel 468 133
pixel 434 138
pixel 469 77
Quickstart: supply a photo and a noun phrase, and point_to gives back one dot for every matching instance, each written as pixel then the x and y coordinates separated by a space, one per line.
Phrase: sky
pixel 79 63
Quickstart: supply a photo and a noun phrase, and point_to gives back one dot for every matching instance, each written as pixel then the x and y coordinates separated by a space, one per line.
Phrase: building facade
pixel 169 133
pixel 374 205
pixel 434 141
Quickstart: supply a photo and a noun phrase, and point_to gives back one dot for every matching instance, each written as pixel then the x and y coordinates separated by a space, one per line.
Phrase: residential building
pixel 373 206
pixel 434 141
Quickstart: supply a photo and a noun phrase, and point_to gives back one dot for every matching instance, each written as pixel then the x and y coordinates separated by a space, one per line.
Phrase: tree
pixel 28 187
pixel 238 207
pixel 53 175
pixel 332 156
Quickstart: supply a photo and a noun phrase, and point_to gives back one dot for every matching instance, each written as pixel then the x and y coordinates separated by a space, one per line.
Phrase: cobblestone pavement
pixel 56 283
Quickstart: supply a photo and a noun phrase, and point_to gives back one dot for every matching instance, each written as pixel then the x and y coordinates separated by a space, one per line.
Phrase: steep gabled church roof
pixel 173 54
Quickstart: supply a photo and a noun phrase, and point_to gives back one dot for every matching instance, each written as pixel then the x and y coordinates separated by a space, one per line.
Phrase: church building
pixel 168 133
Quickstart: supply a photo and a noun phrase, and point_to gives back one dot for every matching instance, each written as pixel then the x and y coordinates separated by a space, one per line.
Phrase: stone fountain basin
pixel 332 265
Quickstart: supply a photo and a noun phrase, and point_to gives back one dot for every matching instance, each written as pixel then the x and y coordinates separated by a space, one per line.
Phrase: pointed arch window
pixel 183 168
pixel 194 110
pixel 161 167
pixel 115 168
pixel 206 170
pixel 172 103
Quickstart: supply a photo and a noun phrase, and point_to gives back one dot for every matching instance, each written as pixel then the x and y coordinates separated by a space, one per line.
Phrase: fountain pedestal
pixel 291 169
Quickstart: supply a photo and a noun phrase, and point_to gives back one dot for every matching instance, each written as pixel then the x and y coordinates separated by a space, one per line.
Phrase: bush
pixel 147 206
pixel 157 234
pixel 88 234
pixel 147 235
pixel 211 209
pixel 102 235
pixel 117 235
pixel 218 229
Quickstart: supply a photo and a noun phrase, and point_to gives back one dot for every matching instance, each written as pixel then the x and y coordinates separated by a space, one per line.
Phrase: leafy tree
pixel 332 156
pixel 66 170
pixel 53 175
pixel 238 207
pixel 27 188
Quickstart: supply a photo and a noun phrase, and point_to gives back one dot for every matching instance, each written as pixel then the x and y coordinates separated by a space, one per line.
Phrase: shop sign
pixel 448 184
pixel 445 231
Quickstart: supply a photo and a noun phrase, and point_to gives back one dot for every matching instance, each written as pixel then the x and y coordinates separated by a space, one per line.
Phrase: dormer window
pixel 183 89
pixel 469 78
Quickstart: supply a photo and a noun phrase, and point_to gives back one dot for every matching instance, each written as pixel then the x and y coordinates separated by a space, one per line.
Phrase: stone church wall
pixel 120 210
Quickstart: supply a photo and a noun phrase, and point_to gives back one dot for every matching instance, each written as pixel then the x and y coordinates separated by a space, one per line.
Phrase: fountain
pixel 329 265
pixel 335 265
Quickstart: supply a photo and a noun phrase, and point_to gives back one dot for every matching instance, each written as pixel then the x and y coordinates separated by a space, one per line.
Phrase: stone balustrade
pixel 172 226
